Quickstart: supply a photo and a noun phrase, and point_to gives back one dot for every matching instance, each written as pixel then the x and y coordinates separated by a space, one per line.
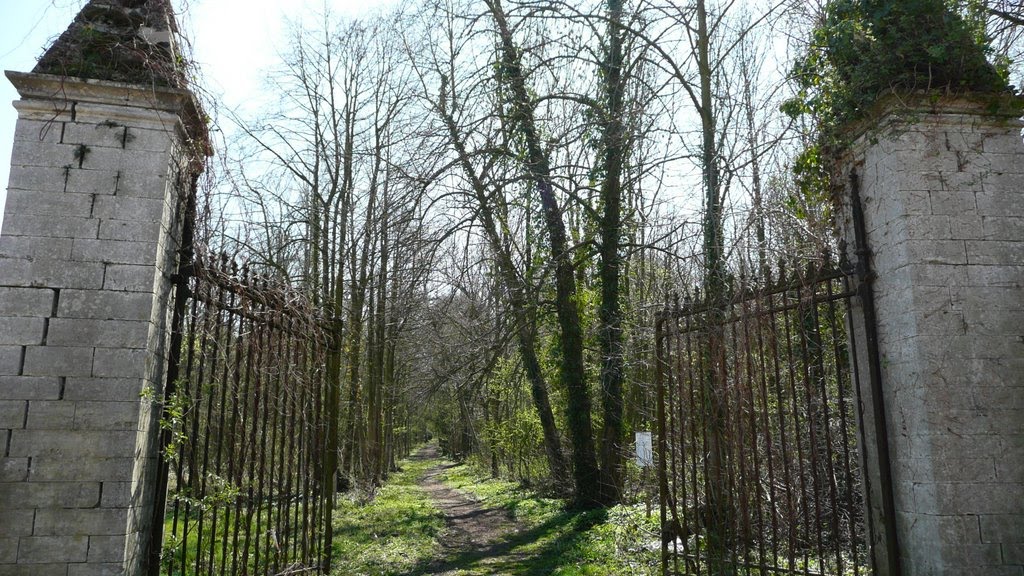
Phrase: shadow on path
pixel 483 541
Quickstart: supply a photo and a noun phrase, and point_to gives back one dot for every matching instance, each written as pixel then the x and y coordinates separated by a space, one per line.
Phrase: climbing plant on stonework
pixel 864 49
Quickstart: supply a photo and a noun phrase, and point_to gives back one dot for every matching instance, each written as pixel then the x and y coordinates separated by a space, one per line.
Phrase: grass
pixel 553 540
pixel 398 533
pixel 191 547
pixel 391 534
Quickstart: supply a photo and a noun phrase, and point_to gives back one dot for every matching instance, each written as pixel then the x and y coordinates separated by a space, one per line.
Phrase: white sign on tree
pixel 644 450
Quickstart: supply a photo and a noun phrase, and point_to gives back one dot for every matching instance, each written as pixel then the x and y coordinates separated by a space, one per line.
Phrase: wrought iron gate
pixel 759 465
pixel 247 482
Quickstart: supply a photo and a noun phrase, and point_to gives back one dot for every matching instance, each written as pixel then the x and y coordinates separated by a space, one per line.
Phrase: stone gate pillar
pixel 89 242
pixel 942 189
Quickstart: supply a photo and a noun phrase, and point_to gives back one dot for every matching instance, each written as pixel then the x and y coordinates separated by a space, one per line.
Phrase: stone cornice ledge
pixel 897 110
pixel 31 85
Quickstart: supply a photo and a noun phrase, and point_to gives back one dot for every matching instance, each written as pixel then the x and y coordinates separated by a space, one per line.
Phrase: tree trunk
pixel 523 309
pixel 520 110
pixel 610 313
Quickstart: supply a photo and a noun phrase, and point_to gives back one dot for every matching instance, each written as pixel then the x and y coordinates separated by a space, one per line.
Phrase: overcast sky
pixel 234 42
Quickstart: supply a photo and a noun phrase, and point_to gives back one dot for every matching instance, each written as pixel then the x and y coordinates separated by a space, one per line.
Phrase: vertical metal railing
pixel 244 430
pixel 773 362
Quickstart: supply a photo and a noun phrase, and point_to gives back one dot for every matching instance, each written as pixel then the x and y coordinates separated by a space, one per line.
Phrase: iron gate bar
pixel 865 277
pixel 782 389
pixel 250 489
pixel 185 212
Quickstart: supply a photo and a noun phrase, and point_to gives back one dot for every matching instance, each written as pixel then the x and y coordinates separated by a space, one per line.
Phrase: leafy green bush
pixel 866 48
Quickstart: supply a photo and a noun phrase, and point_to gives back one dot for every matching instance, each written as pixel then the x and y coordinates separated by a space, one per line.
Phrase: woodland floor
pixel 438 518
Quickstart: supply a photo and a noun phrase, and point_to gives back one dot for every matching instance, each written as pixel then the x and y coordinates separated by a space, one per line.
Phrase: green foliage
pixel 864 48
pixel 556 541
pixel 391 534
pixel 173 420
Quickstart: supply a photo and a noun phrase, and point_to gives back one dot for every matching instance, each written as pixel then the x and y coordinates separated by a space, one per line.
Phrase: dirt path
pixel 475 534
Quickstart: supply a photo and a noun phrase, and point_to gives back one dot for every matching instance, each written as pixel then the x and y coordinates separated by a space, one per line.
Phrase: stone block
pixel 1008 528
pixel 38 178
pixel 51 273
pixel 116 495
pixel 42 569
pixel 107 135
pixel 1004 143
pixel 98 333
pixel 936 251
pixel 978 498
pixel 967 226
pixel 1014 554
pixel 17 521
pixel 1007 228
pixel 103 158
pixel 129 278
pixel 1011 276
pixel 119 363
pixel 953 202
pixel 58 361
pixel 96 569
pixel 144 185
pixel 71 444
pixel 995 322
pixel 113 252
pixel 8 551
pixel 10 361
pixel 26 302
pixel 62 204
pixel 130 230
pixel 972 555
pixel 55 468
pixel 22 331
pixel 51 415
pixel 102 183
pixel 49 549
pixel 928 227
pixel 93 522
pixel 38 131
pixel 48 110
pixel 1004 395
pixel 30 248
pixel 137 209
pixel 152 140
pixel 928 275
pixel 106 549
pixel 1000 203
pixel 12 413
pixel 47 154
pixel 13 469
pixel 103 389
pixel 52 226
pixel 58 496
pixel 107 415
pixel 105 305
pixel 29 388
pixel 995 252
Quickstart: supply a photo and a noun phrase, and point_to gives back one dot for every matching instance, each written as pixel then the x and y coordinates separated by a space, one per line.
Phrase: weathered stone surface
pixel 29 388
pixel 50 549
pixel 127 278
pixel 945 233
pixel 59 495
pixel 59 361
pixel 98 333
pixel 51 415
pixel 31 302
pixel 91 522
